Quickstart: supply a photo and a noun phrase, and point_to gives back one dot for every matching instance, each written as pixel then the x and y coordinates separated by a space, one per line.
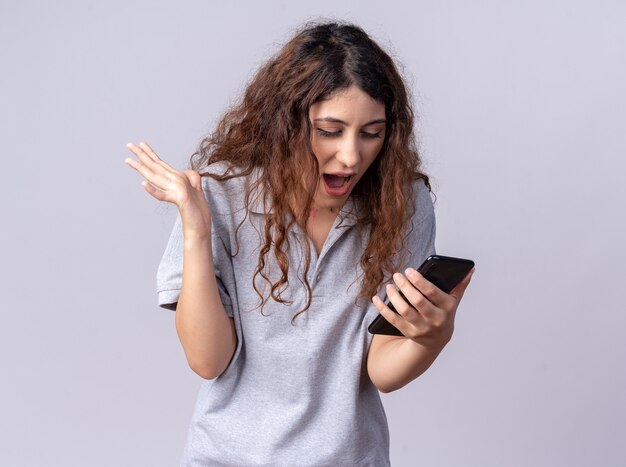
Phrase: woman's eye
pixel 328 134
pixel 337 133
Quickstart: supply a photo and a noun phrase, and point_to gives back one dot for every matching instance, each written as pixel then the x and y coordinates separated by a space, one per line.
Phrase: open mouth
pixel 336 181
pixel 337 184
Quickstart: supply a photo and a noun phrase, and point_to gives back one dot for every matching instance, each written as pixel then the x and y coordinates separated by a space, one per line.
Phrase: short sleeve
pixel 420 240
pixel 170 270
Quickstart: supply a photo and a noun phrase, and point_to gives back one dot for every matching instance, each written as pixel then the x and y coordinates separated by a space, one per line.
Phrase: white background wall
pixel 522 125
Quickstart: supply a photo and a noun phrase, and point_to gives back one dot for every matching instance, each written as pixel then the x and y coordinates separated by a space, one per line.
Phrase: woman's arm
pixel 394 361
pixel 427 326
pixel 205 330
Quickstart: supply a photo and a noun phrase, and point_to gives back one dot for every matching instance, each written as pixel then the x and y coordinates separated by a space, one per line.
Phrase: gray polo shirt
pixel 294 394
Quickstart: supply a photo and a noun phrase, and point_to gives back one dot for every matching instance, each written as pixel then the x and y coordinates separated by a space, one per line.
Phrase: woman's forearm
pixel 394 362
pixel 205 330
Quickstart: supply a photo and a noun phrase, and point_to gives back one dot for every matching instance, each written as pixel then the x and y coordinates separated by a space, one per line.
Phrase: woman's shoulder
pixel 422 197
pixel 221 176
pixel 226 186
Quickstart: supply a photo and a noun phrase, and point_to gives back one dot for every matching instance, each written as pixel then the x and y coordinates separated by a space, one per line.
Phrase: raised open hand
pixel 184 189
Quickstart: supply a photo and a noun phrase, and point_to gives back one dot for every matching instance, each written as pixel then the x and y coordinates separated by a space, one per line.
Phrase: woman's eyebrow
pixel 336 120
pixel 330 119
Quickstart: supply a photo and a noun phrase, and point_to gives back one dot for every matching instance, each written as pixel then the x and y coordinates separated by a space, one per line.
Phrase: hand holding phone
pixel 445 272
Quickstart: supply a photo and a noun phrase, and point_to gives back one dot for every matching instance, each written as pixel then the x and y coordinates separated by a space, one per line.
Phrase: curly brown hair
pixel 319 61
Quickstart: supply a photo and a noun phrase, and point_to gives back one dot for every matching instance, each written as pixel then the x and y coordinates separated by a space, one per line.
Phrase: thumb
pixel 459 290
pixel 194 178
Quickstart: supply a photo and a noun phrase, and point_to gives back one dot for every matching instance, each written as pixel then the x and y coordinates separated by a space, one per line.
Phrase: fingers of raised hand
pixel 141 154
pixel 159 178
pixel 151 167
pixel 149 151
pixel 148 157
pixel 157 193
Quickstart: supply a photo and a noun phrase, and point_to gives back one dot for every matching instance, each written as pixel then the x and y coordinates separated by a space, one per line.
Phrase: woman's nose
pixel 349 152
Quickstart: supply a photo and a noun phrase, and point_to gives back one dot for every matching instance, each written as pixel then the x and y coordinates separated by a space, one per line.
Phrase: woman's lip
pixel 341 174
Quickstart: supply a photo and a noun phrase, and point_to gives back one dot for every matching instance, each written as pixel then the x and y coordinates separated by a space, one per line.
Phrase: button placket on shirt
pixel 343 222
pixel 340 227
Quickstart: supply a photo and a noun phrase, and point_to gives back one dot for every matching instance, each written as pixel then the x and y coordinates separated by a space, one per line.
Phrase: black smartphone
pixel 443 271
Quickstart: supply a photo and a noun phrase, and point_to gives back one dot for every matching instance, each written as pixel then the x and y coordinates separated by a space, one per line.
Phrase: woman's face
pixel 348 131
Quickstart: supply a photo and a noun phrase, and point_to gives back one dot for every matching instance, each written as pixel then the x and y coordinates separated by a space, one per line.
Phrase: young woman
pixel 306 202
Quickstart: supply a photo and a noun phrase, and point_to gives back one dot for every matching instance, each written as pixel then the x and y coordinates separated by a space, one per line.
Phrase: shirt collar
pixel 349 213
